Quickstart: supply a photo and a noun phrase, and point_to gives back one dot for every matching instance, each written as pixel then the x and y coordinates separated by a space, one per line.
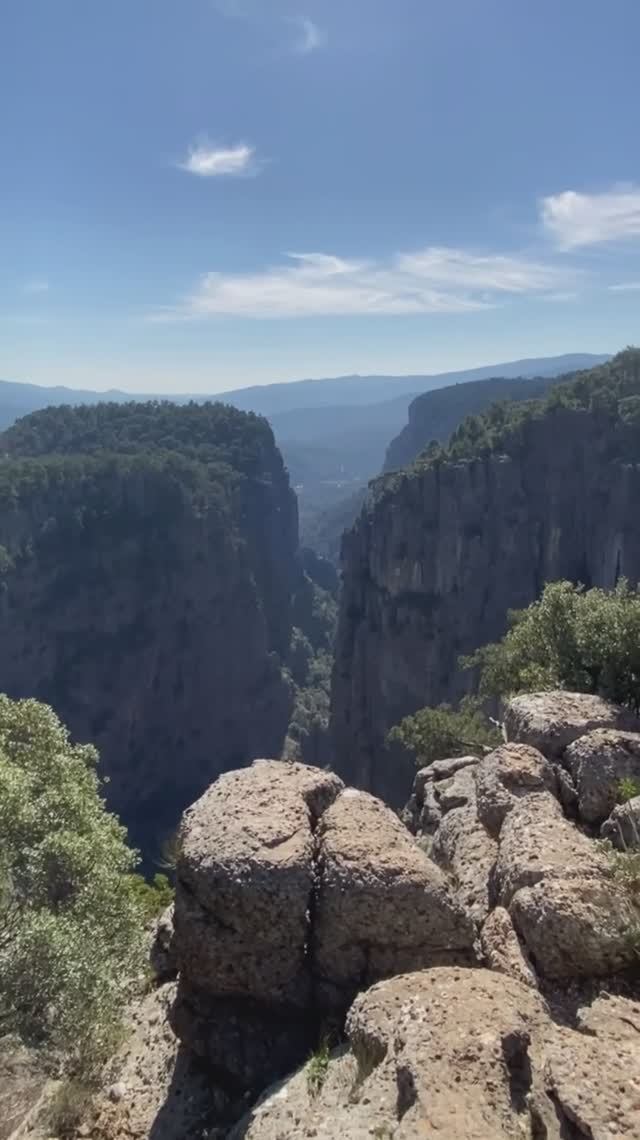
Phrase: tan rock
pixel 244 882
pixel 502 949
pixel 597 763
pixel 455 791
pixel 575 928
pixel 611 1017
pixel 505 776
pixel 463 847
pixel 538 843
pixel 595 1084
pixel 383 906
pixel 550 721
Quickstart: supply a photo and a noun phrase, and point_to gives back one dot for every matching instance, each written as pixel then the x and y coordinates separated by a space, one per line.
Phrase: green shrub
pixel 71 924
pixel 571 638
pixel 440 732
pixel 317 1067
pixel 151 897
pixel 628 789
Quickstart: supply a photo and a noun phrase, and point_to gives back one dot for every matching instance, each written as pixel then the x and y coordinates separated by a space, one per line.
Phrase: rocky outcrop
pixel 441 552
pixel 292 894
pixel 147 597
pixel 464 1053
pixel 539 886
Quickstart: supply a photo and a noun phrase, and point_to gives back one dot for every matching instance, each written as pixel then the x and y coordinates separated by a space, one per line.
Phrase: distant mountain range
pixel 333 433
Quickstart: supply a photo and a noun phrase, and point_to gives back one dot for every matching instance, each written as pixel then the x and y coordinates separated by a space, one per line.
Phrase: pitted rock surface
pixel 575 928
pixel 383 906
pixel 502 949
pixel 506 776
pixel 463 847
pixel 550 721
pixel 538 843
pixel 597 763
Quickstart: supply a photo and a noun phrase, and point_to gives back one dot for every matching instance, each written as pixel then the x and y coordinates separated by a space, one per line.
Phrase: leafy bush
pixel 70 922
pixel 571 638
pixel 151 898
pixel 440 732
pixel 628 789
pixel 317 1068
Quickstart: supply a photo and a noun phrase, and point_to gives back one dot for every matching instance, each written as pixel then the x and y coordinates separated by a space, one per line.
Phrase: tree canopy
pixel 570 638
pixel 71 922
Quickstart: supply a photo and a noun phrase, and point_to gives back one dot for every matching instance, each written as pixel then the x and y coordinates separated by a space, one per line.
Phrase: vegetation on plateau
pixel 72 912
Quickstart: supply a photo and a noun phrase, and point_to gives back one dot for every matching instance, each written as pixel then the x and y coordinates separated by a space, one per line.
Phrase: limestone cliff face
pixel 149 601
pixel 442 552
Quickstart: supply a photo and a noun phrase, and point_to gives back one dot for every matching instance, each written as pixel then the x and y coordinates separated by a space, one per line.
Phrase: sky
pixel 198 195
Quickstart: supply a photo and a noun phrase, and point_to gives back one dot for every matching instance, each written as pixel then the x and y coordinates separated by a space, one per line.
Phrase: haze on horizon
pixel 204 196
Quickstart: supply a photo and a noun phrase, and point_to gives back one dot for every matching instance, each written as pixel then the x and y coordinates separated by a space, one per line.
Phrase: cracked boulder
pixel 244 885
pixel 291 895
pixel 550 721
pixel 622 828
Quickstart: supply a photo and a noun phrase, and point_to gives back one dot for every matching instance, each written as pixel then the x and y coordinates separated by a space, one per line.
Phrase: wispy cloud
pixel 310 37
pixel 36 286
pixel 575 219
pixel 432 280
pixel 625 287
pixel 208 161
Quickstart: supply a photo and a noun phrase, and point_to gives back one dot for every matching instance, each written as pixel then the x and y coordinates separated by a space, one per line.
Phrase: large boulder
pixel 383 907
pixel 291 894
pixel 597 762
pixel 244 886
pixel 622 828
pixel 576 928
pixel 244 882
pixel 506 776
pixel 550 721
pixel 538 843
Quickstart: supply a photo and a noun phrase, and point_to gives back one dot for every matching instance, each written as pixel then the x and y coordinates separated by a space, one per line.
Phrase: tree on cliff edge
pixel 70 925
pixel 571 638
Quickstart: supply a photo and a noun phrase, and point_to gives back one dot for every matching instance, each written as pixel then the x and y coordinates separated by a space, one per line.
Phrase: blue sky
pixel 202 194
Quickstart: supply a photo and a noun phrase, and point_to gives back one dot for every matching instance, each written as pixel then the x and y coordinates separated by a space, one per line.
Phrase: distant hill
pixel 270 399
pixel 434 415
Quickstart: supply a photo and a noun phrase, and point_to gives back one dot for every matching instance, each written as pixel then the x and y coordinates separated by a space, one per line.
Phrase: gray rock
pixel 622 828
pixel 442 769
pixel 455 791
pixel 575 928
pixel 383 906
pixel 430 812
pixel 504 777
pixel 550 721
pixel 538 843
pixel 598 762
pixel 502 949
pixel 463 847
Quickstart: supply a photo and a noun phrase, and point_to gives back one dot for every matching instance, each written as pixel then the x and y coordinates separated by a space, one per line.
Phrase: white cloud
pixel 575 219
pixel 311 37
pixel 625 287
pixel 209 161
pixel 433 280
pixel 36 286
